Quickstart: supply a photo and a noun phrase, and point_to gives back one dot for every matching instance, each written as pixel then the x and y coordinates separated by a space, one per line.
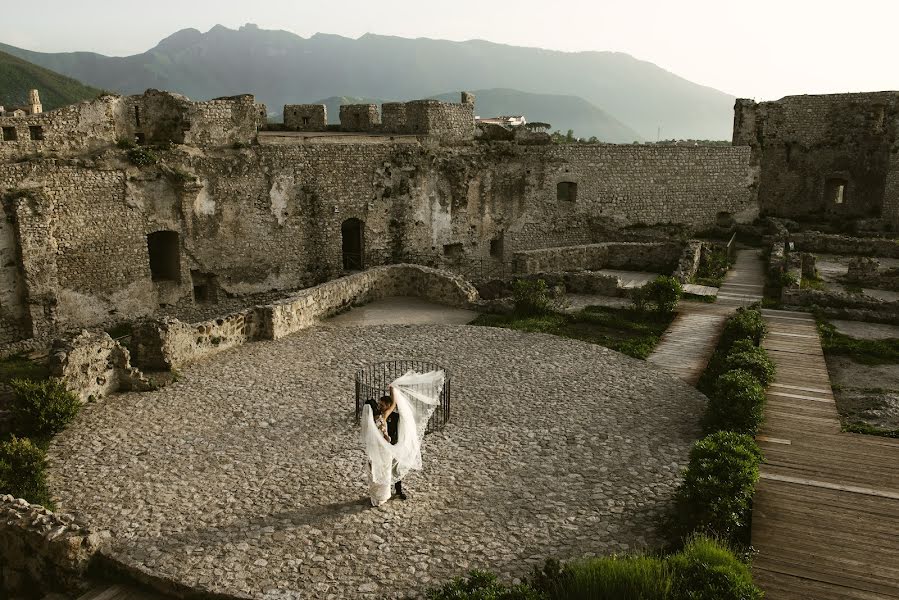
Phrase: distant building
pixel 504 121
pixel 34 107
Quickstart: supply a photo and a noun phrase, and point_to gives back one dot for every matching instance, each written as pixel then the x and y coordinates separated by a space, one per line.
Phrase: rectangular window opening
pixel 835 191
pixel 453 250
pixel 9 134
pixel 306 121
pixel 37 132
pixel 496 248
pixel 566 191
pixel 165 256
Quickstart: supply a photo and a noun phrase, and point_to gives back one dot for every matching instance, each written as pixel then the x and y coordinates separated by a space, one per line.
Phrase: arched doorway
pixel 353 247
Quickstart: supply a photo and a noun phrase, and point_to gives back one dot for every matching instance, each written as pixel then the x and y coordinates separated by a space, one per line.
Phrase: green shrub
pixel 707 570
pixel 745 324
pixel 42 408
pixel 141 156
pixel 716 494
pixel 746 356
pixel 125 143
pixel 662 294
pixel 736 404
pixel 22 466
pixel 531 297
pixel 480 585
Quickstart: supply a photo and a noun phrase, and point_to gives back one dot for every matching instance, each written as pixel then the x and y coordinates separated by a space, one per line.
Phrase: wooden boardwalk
pixel 826 511
pixel 689 342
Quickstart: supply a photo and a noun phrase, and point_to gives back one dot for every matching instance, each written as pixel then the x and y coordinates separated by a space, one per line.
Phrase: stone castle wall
pixel 82 127
pixel 804 146
pixel 660 257
pixel 305 117
pixel 359 117
pixel 269 218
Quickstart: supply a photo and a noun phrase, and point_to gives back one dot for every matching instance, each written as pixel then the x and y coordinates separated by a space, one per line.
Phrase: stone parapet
pixel 169 343
pixel 42 551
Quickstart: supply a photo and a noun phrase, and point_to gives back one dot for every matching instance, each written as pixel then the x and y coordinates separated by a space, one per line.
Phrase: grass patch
pixel 866 352
pixel 867 429
pixel 19 366
pixel 625 330
pixel 713 266
pixel 807 283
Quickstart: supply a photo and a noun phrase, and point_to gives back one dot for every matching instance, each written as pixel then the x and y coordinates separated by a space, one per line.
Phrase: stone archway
pixel 353 244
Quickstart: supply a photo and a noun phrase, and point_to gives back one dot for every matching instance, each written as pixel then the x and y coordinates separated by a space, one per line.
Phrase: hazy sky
pixel 761 49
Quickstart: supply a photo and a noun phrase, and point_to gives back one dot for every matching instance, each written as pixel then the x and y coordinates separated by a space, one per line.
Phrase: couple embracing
pixel 393 428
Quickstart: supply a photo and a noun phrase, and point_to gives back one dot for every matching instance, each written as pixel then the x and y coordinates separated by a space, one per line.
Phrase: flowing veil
pixel 417 395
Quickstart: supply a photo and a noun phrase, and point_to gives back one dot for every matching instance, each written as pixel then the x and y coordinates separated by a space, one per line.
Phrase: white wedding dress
pixel 417 395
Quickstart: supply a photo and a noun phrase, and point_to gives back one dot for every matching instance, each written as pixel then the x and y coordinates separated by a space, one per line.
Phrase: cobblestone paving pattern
pixel 245 477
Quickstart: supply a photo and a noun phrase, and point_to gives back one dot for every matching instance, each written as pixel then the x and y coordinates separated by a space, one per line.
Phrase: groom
pixel 393 430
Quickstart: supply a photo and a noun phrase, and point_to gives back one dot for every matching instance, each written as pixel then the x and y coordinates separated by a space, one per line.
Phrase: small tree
pixel 22 466
pixel 531 297
pixel 42 408
pixel 662 294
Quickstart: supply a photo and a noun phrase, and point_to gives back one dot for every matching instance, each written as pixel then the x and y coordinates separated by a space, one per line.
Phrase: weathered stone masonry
pixel 102 241
pixel 824 154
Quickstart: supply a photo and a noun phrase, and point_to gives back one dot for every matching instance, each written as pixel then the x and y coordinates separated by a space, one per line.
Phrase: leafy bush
pixel 746 356
pixel 22 466
pixel 736 404
pixel 125 143
pixel 142 157
pixel 42 408
pixel 532 297
pixel 707 570
pixel 480 585
pixel 663 294
pixel 745 324
pixel 716 494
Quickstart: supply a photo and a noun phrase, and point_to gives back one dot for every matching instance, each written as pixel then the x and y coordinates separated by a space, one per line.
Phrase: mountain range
pixel 18 76
pixel 280 67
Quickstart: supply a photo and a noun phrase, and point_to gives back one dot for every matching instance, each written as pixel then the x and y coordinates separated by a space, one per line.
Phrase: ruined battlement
pixel 829 153
pixel 154 117
pixel 442 121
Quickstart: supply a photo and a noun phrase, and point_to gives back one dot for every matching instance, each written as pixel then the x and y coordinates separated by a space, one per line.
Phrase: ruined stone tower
pixel 34 103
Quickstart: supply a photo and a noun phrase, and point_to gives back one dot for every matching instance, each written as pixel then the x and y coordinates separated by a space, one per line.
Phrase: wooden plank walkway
pixel 826 511
pixel 745 282
pixel 690 340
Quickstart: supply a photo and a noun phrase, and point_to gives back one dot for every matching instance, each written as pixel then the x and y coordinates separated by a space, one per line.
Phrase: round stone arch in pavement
pixel 245 477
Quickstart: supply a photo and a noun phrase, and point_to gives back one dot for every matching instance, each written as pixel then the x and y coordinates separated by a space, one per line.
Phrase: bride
pixel 392 430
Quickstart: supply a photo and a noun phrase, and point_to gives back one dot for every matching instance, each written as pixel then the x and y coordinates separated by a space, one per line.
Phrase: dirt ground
pixel 866 393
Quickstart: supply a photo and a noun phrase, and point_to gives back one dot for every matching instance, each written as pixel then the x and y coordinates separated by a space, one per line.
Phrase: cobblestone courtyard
pixel 245 477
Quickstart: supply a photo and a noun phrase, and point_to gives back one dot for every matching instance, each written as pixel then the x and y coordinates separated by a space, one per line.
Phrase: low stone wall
pixel 164 344
pixel 94 365
pixel 659 257
pixel 814 241
pixel 41 551
pixel 843 305
pixel 688 264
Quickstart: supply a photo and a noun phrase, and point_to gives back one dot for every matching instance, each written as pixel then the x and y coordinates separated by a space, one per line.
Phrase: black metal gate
pixel 373 381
